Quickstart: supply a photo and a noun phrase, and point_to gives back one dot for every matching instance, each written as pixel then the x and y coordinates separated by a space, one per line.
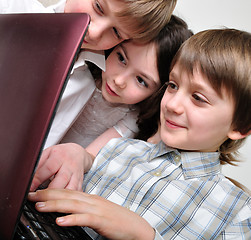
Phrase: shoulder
pixel 130 146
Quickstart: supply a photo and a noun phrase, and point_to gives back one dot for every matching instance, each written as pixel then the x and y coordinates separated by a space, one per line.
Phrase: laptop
pixel 37 53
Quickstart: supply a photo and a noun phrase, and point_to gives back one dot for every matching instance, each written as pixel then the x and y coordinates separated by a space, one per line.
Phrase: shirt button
pixel 157 174
pixel 177 158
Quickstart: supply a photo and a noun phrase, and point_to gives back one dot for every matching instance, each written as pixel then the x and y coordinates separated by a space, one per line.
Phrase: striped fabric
pixel 183 195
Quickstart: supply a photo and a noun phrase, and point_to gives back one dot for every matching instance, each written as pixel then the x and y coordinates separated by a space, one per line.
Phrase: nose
pixel 97 29
pixel 174 103
pixel 120 81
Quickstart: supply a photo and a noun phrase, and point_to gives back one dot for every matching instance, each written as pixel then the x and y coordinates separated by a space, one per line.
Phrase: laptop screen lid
pixel 37 53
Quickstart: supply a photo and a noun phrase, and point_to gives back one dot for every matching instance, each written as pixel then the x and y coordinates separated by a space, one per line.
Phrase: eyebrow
pixel 148 77
pixel 172 74
pixel 123 35
pixel 105 6
pixel 124 50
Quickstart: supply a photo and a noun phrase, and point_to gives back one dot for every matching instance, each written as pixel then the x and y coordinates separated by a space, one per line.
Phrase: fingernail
pixel 40 204
pixel 31 194
pixel 60 219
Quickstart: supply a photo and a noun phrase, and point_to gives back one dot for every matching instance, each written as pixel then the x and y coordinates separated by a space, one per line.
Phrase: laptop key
pixel 43 235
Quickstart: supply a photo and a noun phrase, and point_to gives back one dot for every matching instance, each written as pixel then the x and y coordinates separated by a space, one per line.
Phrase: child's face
pixel 105 30
pixel 193 116
pixel 131 74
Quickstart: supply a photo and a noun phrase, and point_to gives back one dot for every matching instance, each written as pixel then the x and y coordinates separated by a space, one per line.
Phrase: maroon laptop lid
pixel 37 52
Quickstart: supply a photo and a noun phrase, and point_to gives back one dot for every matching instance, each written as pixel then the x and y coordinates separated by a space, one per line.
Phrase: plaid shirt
pixel 182 195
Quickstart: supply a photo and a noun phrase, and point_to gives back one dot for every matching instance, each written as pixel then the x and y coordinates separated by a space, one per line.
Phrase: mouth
pixel 173 125
pixel 110 91
pixel 87 39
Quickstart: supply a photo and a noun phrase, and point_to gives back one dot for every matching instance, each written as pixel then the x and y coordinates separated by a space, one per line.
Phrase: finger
pixel 61 179
pixel 45 172
pixel 44 156
pixel 101 225
pixel 75 220
pixel 40 177
pixel 37 179
pixel 55 194
pixel 64 206
pixel 75 182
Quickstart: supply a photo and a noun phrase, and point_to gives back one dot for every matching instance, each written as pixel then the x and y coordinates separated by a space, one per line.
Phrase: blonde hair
pixel 224 57
pixel 146 18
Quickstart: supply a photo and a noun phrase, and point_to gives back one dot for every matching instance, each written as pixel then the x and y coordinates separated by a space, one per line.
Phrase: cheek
pixel 138 95
pixel 76 6
pixel 111 69
pixel 107 42
pixel 164 101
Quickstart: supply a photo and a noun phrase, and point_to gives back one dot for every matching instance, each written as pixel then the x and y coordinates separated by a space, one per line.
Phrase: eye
pixel 116 33
pixel 142 81
pixel 198 98
pixel 172 86
pixel 121 58
pixel 98 7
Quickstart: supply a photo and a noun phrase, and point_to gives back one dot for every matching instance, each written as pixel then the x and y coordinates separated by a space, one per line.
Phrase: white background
pixel 205 14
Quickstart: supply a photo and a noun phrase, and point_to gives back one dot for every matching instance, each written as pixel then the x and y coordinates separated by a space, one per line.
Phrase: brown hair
pixel 146 17
pixel 223 56
pixel 167 44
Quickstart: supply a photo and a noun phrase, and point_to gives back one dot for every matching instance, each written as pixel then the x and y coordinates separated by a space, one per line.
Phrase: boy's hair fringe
pixel 146 18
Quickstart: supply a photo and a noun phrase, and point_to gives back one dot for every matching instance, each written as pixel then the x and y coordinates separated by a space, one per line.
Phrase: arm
pixel 94 147
pixel 95 212
pixel 67 163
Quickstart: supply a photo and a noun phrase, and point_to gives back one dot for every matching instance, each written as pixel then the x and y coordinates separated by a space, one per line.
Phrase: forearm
pixel 94 147
pixel 87 160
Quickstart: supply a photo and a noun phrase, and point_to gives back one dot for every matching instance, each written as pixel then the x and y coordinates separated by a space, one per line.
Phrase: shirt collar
pixel 200 164
pixel 98 58
pixel 194 164
pixel 161 149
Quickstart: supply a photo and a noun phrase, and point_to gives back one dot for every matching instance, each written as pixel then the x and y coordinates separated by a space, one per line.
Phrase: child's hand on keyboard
pixel 64 165
pixel 105 217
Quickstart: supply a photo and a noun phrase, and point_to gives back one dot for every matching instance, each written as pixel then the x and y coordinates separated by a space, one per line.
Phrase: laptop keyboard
pixel 37 225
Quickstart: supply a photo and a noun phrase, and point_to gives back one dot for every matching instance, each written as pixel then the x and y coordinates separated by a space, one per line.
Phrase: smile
pixel 110 91
pixel 172 125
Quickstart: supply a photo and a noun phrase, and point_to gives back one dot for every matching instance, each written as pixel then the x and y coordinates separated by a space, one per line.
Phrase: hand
pixel 64 164
pixel 105 217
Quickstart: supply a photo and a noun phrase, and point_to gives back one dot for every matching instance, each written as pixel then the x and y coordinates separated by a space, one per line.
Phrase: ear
pixel 235 135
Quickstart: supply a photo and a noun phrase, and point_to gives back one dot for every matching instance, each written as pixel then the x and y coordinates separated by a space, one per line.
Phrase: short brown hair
pixel 146 17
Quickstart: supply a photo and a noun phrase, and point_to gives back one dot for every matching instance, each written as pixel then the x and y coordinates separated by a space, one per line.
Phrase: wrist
pixel 88 160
